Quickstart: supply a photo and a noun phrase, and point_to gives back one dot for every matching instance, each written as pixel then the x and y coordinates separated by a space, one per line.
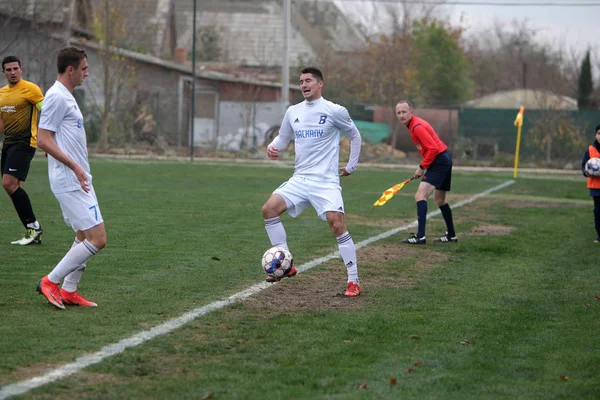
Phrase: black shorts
pixel 439 173
pixel 16 158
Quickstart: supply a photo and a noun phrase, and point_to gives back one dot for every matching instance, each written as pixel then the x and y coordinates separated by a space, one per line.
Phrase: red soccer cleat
pixel 75 299
pixel 50 289
pixel 353 289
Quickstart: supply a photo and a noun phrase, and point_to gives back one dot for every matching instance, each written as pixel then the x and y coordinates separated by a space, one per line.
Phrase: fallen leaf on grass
pixel 393 381
pixel 597 297
pixel 208 396
pixel 416 337
pixel 348 340
pixel 417 363
pixel 362 386
pixel 465 342
pixel 409 370
pixel 564 378
pixel 588 305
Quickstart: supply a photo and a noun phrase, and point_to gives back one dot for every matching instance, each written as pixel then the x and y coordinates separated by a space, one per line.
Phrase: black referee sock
pixel 447 214
pixel 421 217
pixel 22 204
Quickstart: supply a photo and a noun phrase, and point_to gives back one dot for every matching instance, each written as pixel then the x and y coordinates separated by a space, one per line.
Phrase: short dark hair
pixel 407 102
pixel 69 57
pixel 10 59
pixel 316 72
pixel 597 128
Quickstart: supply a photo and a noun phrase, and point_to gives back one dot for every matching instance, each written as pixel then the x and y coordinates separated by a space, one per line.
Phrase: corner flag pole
pixel 193 99
pixel 519 124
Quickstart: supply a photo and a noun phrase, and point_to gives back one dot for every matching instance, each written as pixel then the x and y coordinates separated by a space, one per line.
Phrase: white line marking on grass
pixel 175 323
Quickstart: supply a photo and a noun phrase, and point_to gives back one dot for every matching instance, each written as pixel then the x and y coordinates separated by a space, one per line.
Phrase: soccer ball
pixel 276 261
pixel 592 167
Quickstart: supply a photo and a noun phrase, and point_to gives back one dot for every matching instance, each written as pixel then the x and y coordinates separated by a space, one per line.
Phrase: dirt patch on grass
pixel 490 229
pixel 323 288
pixel 353 219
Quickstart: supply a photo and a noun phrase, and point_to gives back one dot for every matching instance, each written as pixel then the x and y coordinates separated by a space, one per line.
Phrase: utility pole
pixel 285 64
pixel 193 105
pixel 67 15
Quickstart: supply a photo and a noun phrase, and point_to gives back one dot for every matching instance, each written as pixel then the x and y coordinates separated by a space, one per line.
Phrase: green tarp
pixel 372 131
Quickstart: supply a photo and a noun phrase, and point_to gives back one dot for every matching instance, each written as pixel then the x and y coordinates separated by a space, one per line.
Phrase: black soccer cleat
pixel 415 240
pixel 446 239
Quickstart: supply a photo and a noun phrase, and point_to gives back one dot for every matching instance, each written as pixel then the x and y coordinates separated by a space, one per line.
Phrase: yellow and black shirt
pixel 19 112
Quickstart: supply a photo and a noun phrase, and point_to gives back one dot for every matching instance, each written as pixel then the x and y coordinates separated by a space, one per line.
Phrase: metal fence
pixel 554 138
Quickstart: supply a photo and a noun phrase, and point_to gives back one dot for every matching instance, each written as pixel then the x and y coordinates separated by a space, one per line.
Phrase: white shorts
pixel 80 209
pixel 299 193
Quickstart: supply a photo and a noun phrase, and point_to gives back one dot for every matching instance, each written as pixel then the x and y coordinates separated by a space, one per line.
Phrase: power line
pixel 480 3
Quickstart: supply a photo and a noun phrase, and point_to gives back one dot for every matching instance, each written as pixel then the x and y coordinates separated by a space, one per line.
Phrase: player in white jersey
pixel 315 126
pixel 62 135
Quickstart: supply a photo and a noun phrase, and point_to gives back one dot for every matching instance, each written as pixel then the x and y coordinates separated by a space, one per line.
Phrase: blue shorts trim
pixel 439 173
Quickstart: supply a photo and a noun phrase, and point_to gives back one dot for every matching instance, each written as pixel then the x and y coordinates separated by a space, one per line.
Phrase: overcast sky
pixel 572 27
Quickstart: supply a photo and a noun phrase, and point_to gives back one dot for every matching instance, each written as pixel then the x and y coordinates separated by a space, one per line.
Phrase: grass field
pixel 511 311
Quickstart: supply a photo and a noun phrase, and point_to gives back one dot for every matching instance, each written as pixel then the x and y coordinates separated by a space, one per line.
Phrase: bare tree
pixel 505 58
pixel 115 25
pixel 26 31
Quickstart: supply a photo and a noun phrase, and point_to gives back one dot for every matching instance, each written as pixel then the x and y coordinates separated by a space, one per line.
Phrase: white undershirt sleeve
pixel 286 133
pixel 355 144
pixel 344 122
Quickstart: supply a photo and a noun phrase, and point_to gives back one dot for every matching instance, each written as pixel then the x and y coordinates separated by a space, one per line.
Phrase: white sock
pixel 72 260
pixel 276 232
pixel 348 253
pixel 72 280
pixel 33 225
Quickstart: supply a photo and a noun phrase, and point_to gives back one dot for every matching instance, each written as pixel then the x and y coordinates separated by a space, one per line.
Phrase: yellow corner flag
pixel 519 119
pixel 519 124
pixel 388 194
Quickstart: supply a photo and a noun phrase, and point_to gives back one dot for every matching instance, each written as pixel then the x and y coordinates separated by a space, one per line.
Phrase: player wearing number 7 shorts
pixel 62 135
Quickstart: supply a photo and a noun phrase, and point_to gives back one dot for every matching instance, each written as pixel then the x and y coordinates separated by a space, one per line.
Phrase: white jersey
pixel 315 127
pixel 61 115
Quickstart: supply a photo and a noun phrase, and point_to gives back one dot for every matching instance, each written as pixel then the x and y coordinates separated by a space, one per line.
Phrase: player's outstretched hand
pixel 272 152
pixel 343 172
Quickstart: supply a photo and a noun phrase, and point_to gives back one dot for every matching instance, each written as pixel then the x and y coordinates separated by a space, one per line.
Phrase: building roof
pixel 201 72
pixel 530 98
pixel 39 11
pixel 251 31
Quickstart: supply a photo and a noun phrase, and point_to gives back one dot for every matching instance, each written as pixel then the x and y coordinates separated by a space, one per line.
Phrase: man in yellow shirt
pixel 20 104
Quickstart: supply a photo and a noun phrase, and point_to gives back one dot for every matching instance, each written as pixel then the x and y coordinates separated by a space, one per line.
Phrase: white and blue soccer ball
pixel 276 261
pixel 592 167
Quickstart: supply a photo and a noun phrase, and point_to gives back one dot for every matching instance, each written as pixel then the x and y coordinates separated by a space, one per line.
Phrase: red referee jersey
pixel 427 142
